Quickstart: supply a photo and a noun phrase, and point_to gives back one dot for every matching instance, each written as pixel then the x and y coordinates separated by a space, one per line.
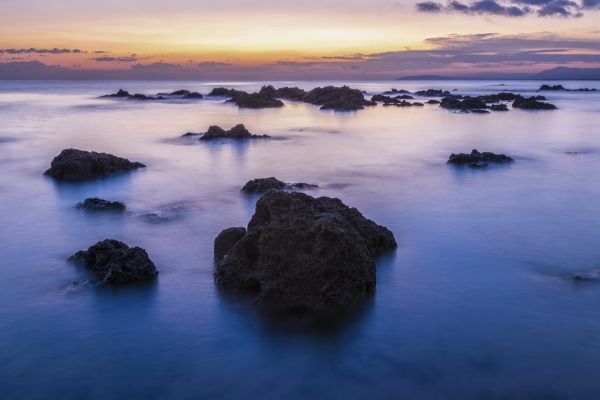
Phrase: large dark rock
pixel 532 103
pixel 302 253
pixel 96 204
pixel 478 160
pixel 499 107
pixel 396 91
pixel 466 103
pixel 551 87
pixel 74 165
pixel 433 93
pixel 120 93
pixel 255 100
pixel 221 91
pixel 237 132
pixel 226 240
pixel 290 93
pixel 337 98
pixel 263 185
pixel 497 97
pixel 113 262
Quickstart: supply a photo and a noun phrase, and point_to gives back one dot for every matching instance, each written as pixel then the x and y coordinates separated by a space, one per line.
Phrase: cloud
pixel 213 64
pixel 511 8
pixel 125 59
pixel 40 51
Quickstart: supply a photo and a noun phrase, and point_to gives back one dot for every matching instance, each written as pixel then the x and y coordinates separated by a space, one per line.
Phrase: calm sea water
pixel 472 305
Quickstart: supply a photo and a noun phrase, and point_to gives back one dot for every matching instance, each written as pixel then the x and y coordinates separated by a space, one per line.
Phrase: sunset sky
pixel 310 38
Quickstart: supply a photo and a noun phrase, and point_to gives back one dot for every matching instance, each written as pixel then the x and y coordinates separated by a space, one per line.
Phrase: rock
pixel 554 87
pixel 221 91
pixel 74 165
pixel 120 93
pixel 466 103
pixel 499 107
pixel 96 204
pixel 395 91
pixel 532 104
pixel 477 159
pixel 255 100
pixel 497 97
pixel 237 132
pixel 290 93
pixel 433 101
pixel 433 93
pixel 337 98
pixel 113 262
pixel 302 253
pixel 226 240
pixel 480 111
pixel 263 185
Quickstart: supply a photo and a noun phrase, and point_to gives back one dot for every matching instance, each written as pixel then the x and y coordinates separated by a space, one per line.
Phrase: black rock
pixel 192 95
pixel 497 97
pixel 532 104
pixel 477 159
pixel 499 107
pixel 466 103
pixel 433 93
pixel 479 111
pixel 433 101
pixel 263 185
pixel 221 91
pixel 96 204
pixel 237 132
pixel 226 240
pixel 113 262
pixel 396 91
pixel 74 165
pixel 337 98
pixel 255 100
pixel 552 87
pixel 302 253
pixel 180 93
pixel 120 93
pixel 290 93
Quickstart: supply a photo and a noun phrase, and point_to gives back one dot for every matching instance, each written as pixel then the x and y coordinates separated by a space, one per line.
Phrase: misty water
pixel 474 304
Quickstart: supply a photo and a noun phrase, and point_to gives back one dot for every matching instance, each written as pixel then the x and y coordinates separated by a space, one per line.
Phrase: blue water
pixel 474 304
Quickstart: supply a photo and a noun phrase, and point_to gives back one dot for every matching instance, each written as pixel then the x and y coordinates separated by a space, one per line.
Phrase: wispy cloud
pixel 125 59
pixel 511 8
pixel 33 50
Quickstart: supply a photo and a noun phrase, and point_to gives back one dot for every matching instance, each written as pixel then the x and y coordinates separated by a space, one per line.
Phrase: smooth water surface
pixel 474 304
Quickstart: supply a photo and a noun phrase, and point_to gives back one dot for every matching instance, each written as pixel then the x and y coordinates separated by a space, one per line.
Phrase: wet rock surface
pixel 73 165
pixel 532 103
pixel 238 132
pixel 113 262
pixel 478 159
pixel 337 98
pixel 301 253
pixel 263 185
pixel 95 204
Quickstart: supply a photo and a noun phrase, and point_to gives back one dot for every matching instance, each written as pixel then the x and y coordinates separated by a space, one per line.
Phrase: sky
pixel 309 39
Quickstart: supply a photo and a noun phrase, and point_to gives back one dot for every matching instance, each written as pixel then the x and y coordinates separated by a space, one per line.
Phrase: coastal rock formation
pixel 552 87
pixel 466 103
pixel 113 262
pixel 263 185
pixel 433 93
pixel 395 91
pixel 499 107
pixel 288 93
pixel 337 98
pixel 255 100
pixel 96 204
pixel 432 101
pixel 120 93
pixel 237 132
pixel 73 165
pixel 226 240
pixel 302 253
pixel 561 87
pixel 531 103
pixel 221 91
pixel 478 160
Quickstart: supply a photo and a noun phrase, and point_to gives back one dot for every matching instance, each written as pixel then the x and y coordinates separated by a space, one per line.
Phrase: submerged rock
pixel 120 93
pixel 221 91
pixel 433 93
pixel 499 107
pixel 466 103
pixel 113 262
pixel 432 101
pixel 302 253
pixel 74 165
pixel 532 103
pixel 396 91
pixel 263 185
pixel 477 159
pixel 255 100
pixel 96 204
pixel 552 87
pixel 237 132
pixel 337 98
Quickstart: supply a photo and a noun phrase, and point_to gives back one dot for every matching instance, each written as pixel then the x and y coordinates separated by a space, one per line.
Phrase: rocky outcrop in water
pixel 255 100
pixel 531 103
pixel 395 92
pixel 226 240
pixel 478 160
pixel 301 253
pixel 288 93
pixel 562 88
pixel 238 132
pixel 96 204
pixel 499 107
pixel 178 94
pixel 433 93
pixel 224 92
pixel 263 185
pixel 113 262
pixel 337 98
pixel 73 165
pixel 465 103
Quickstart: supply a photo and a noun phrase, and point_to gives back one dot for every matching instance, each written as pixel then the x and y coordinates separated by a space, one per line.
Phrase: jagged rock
pixel 263 185
pixel 499 107
pixel 113 262
pixel 290 93
pixel 221 91
pixel 96 204
pixel 120 93
pixel 302 253
pixel 477 159
pixel 395 91
pixel 237 132
pixel 255 100
pixel 433 93
pixel 466 103
pixel 74 165
pixel 552 87
pixel 226 240
pixel 433 101
pixel 532 104
pixel 337 98
pixel 498 97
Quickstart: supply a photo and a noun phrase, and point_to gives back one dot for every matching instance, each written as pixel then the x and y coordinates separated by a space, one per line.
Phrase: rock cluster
pixel 477 159
pixel 301 253
pixel 73 165
pixel 96 204
pixel 238 132
pixel 531 103
pixel 337 98
pixel 263 185
pixel 113 262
